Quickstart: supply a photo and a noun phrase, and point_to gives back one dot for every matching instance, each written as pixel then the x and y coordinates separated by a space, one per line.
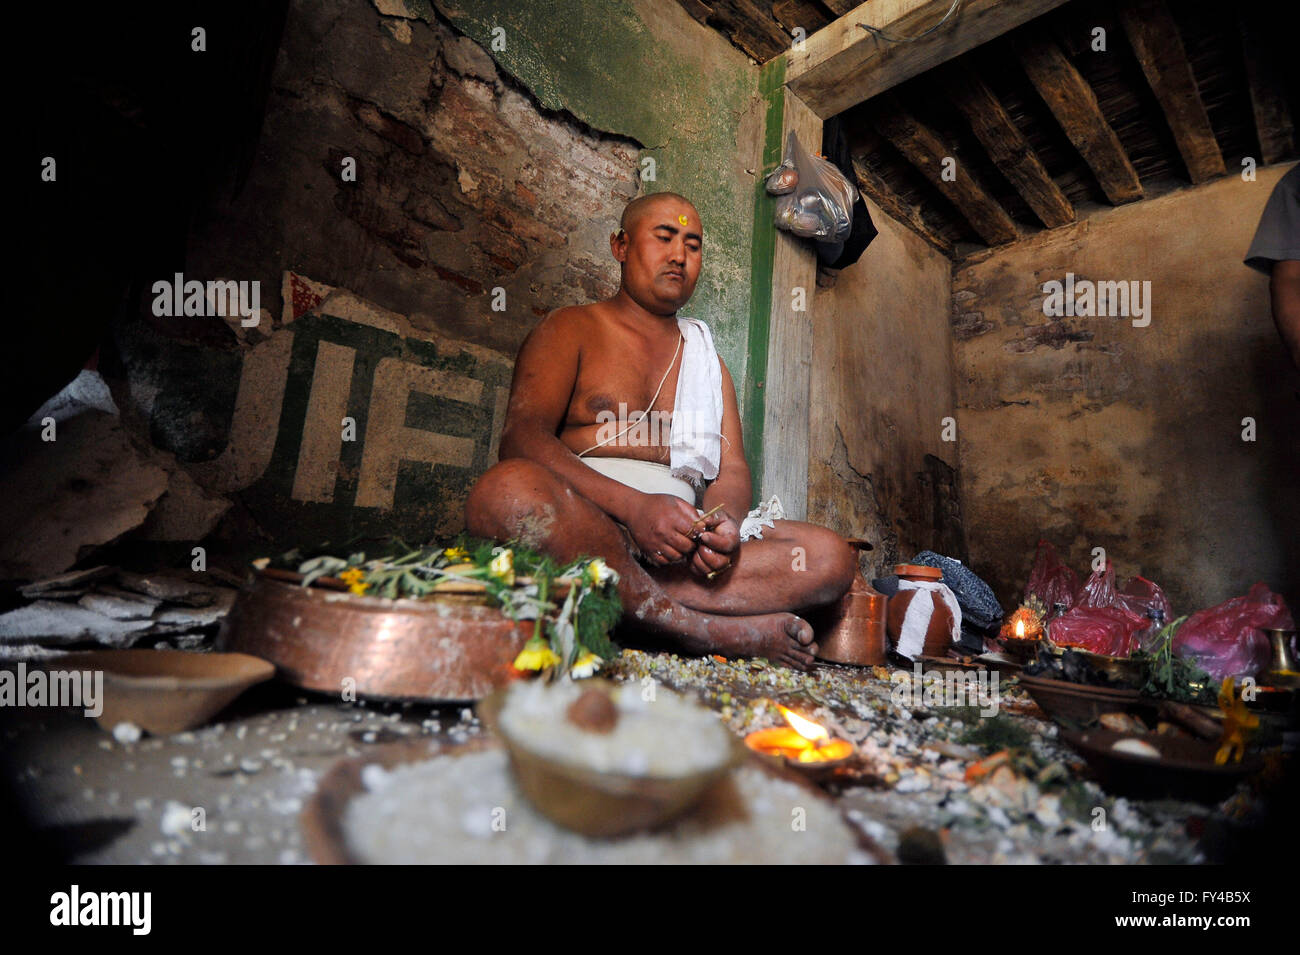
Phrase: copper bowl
pixel 445 649
pixel 597 803
pixel 167 691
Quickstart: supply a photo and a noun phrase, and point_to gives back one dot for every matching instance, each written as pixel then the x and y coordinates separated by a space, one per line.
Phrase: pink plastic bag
pixel 1227 640
pixel 1050 580
pixel 1100 621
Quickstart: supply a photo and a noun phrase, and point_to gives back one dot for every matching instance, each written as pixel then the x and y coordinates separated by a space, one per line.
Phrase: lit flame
pixel 1020 630
pixel 805 728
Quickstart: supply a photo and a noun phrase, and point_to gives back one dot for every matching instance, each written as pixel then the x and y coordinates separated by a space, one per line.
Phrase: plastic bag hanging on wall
pixel 816 199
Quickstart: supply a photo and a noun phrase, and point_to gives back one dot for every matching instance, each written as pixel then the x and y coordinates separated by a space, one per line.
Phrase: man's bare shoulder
pixel 571 323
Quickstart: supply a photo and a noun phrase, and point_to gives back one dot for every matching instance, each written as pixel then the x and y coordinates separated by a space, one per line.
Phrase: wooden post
pixel 786 390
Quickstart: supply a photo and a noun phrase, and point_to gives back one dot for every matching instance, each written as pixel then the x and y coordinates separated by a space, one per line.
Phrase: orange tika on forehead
pixel 639 207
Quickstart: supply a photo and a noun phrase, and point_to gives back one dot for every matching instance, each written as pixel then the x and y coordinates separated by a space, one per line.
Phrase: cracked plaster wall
pixel 484 160
pixel 881 386
pixel 1091 432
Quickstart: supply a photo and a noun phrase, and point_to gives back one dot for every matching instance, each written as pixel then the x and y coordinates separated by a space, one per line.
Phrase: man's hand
pixel 662 528
pixel 718 540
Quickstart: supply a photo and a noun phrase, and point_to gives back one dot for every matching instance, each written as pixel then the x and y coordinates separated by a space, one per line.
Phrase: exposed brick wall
pixel 462 184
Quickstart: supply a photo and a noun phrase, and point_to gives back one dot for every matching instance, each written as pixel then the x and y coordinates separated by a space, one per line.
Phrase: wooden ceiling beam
pixel 1074 104
pixel 877 190
pixel 923 149
pixel 843 64
pixel 1007 146
pixel 1273 123
pixel 799 13
pixel 1153 34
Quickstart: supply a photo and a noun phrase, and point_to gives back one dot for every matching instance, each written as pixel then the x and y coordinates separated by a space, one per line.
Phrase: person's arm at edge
pixel 1284 288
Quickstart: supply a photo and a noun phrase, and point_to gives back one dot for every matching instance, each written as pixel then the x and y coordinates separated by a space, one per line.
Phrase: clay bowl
pixel 1080 703
pixel 1022 651
pixel 1184 770
pixel 167 691
pixel 441 650
pixel 766 744
pixel 596 803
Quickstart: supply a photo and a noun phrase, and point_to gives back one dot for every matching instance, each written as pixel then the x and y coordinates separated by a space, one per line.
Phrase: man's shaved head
pixel 635 210
pixel 658 249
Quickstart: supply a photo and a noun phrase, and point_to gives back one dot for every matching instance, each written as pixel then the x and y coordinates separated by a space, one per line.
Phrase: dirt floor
pixel 924 787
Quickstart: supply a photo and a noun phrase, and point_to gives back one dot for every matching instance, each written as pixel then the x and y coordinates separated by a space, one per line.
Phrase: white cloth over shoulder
pixel 697 410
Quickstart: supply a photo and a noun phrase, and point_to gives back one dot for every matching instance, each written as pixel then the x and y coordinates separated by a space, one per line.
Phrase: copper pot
pixel 446 649
pixel 856 633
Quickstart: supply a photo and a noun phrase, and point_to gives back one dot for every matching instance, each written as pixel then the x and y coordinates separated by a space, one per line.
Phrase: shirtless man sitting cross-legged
pixel 571 483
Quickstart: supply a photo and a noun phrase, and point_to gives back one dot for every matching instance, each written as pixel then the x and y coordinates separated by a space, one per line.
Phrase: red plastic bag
pixel 1143 597
pixel 1050 580
pixel 1099 620
pixel 1227 640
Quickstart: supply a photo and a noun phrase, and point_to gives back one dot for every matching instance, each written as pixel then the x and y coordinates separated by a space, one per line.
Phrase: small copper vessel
pixel 856 634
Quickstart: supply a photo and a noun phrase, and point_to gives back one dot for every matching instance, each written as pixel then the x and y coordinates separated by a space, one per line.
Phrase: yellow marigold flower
pixel 353 577
pixel 536 655
pixel 503 567
pixel 456 553
pixel 585 665
pixel 1237 719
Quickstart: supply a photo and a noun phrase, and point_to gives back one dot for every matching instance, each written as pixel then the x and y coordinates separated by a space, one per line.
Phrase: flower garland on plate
pixel 573 607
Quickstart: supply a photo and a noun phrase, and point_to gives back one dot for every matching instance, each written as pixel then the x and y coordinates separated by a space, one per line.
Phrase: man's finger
pixel 712 559
pixel 682 543
pixel 668 554
pixel 718 543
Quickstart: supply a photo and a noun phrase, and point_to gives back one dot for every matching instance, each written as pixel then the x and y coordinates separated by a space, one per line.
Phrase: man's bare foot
pixel 780 637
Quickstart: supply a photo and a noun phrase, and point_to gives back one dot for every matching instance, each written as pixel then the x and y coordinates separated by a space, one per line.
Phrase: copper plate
pixel 322 817
pixel 446 649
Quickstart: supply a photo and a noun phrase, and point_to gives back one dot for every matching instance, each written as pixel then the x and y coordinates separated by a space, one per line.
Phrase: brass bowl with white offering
pixel 605 760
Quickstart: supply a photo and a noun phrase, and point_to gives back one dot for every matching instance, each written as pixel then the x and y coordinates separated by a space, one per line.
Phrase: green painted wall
pixel 645 69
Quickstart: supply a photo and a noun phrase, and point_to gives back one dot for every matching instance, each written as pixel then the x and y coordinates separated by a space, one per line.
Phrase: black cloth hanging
pixel 840 255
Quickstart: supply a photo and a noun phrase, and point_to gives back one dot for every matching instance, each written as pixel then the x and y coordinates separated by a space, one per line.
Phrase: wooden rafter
pixel 843 64
pixel 877 190
pixel 1154 37
pixel 1273 123
pixel 1007 146
pixel 1074 104
pixel 923 149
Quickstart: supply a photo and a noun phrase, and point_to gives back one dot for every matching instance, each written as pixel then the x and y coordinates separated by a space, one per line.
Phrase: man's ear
pixel 618 244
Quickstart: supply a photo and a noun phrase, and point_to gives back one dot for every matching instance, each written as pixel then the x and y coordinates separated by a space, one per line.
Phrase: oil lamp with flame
pixel 803 744
pixel 1022 632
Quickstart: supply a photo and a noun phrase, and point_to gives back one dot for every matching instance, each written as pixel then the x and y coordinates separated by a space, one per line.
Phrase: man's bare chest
pixel 622 380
